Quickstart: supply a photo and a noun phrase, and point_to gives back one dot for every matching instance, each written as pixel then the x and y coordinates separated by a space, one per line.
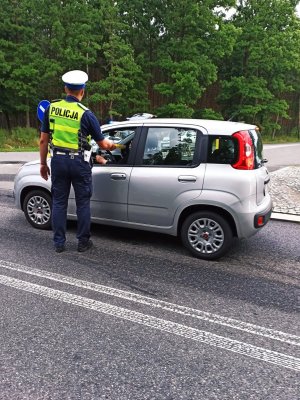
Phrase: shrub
pixel 19 138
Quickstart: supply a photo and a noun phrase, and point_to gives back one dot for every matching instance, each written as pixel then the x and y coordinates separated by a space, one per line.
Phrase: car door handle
pixel 187 178
pixel 118 176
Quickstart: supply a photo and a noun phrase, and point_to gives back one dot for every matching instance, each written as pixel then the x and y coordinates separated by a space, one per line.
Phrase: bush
pixel 280 138
pixel 207 113
pixel 19 138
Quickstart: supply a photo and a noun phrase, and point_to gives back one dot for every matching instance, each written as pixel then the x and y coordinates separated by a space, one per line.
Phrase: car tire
pixel 37 209
pixel 207 235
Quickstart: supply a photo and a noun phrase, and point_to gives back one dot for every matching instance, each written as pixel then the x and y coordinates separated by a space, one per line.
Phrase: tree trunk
pixel 299 117
pixel 274 130
pixel 27 115
pixel 7 121
pixel 110 110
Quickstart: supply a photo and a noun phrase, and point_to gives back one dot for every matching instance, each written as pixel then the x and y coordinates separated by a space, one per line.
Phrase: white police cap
pixel 75 80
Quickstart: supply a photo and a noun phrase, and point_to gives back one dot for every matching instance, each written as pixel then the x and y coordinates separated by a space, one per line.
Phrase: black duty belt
pixel 70 153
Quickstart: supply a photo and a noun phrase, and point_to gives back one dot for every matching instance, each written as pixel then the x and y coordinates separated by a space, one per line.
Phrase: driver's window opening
pixel 117 156
pixel 169 146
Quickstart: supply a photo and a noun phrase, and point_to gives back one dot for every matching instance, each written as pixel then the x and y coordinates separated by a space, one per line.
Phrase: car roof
pixel 212 127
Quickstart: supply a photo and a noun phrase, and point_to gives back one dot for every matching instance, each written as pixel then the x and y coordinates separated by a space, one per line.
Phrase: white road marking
pixel 178 309
pixel 211 339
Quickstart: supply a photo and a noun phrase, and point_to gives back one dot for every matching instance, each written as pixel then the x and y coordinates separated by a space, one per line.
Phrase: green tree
pixel 38 44
pixel 145 26
pixel 158 56
pixel 178 45
pixel 120 89
pixel 193 43
pixel 257 76
pixel 66 38
pixel 19 74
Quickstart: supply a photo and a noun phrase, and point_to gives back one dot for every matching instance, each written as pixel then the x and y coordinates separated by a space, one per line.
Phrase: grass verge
pixel 19 139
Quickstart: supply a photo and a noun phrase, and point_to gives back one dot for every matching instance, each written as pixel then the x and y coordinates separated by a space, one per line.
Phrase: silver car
pixel 202 180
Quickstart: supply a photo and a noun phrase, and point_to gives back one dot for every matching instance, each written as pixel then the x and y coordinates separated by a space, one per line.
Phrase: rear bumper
pixel 250 218
pixel 261 218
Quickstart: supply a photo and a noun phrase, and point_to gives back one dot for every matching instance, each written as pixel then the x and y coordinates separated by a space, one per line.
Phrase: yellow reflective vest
pixel 64 120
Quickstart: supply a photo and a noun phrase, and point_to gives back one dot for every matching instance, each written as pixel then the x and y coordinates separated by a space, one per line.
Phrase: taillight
pixel 245 150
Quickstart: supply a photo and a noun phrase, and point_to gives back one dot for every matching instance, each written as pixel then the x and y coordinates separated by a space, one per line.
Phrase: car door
pixel 167 174
pixel 110 181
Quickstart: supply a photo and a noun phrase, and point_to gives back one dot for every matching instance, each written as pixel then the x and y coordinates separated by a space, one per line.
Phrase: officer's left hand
pixel 44 171
pixel 100 159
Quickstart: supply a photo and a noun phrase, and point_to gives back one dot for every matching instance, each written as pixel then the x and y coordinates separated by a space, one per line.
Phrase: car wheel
pixel 206 235
pixel 37 209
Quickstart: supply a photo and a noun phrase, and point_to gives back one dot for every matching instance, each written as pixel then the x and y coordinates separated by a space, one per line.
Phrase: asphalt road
pixel 138 318
pixel 282 155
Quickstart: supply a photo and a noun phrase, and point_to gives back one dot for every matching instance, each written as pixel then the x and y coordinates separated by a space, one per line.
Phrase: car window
pixel 117 135
pixel 169 146
pixel 222 150
pixel 258 147
pixel 118 156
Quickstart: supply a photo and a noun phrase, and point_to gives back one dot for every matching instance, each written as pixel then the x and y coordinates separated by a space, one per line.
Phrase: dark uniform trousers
pixel 65 171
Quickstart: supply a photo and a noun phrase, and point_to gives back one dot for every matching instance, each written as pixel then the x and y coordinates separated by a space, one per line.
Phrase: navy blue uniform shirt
pixel 89 124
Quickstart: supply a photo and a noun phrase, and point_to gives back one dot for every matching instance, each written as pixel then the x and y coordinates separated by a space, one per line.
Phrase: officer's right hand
pixel 120 146
pixel 44 171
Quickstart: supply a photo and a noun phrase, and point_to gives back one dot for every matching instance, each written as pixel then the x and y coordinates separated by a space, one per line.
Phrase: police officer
pixel 67 127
